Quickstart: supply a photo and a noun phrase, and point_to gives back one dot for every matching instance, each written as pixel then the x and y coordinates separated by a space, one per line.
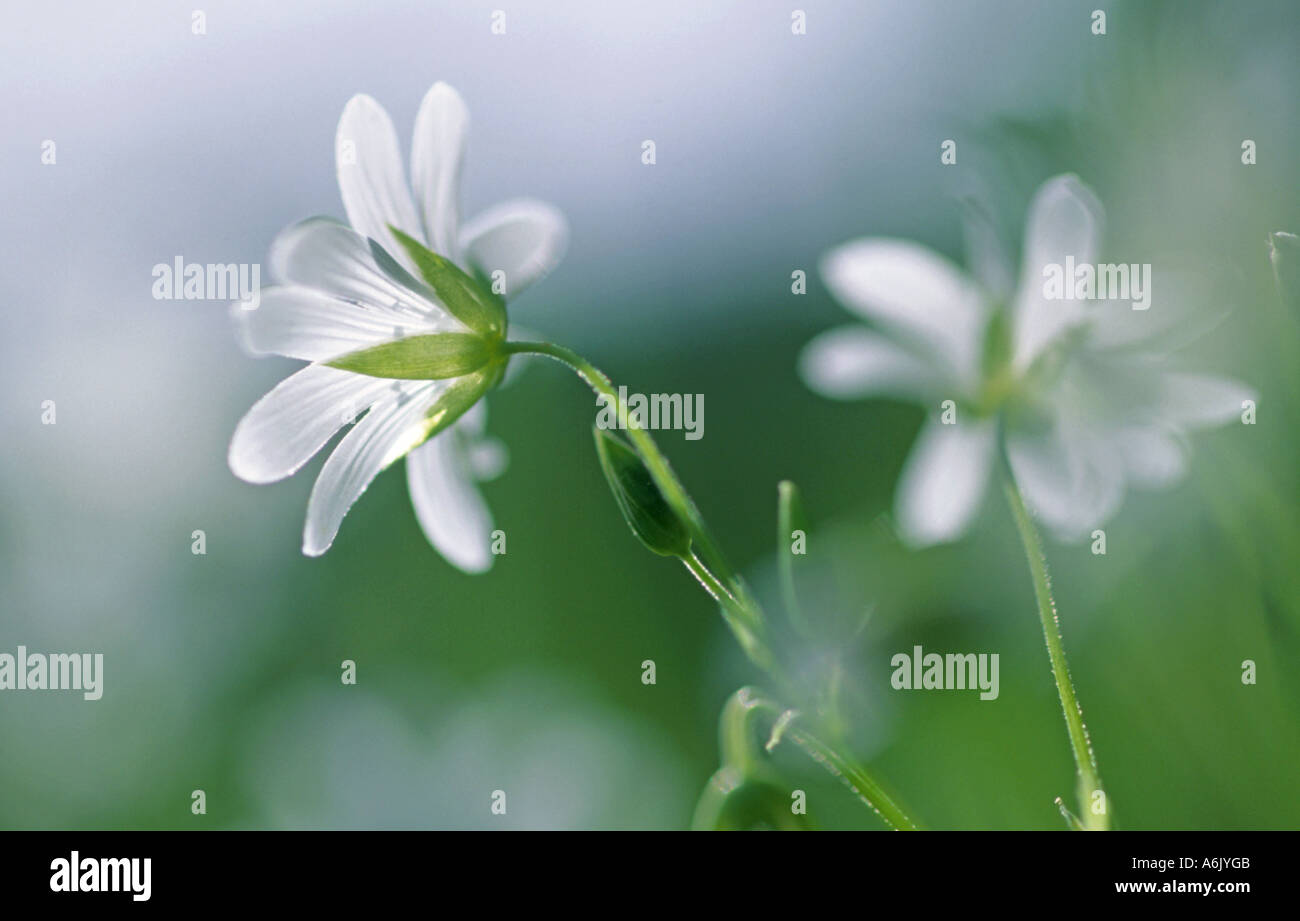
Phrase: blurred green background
pixel 222 671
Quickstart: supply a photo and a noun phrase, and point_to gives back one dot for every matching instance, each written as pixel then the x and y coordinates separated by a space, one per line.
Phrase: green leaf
pixel 460 293
pixel 419 358
pixel 644 507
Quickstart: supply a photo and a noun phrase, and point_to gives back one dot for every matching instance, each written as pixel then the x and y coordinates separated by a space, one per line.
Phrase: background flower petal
pixel 1152 458
pixel 1202 400
pixel 851 362
pixel 913 292
pixel 1064 219
pixel 1184 307
pixel 1071 478
pixel 943 480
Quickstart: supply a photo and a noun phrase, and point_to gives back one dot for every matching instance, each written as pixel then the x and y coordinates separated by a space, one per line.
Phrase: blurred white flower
pixel 1077 393
pixel 337 294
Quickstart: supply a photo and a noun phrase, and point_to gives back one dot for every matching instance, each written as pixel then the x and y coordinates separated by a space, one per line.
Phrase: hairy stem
pixel 1094 809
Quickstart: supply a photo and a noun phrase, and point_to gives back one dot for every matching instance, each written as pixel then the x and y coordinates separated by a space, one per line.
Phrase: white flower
pixel 1075 392
pixel 337 295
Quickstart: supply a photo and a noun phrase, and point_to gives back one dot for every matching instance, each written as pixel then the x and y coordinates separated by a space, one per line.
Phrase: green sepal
pixel 459 292
pixel 430 357
pixel 644 507
pixel 453 403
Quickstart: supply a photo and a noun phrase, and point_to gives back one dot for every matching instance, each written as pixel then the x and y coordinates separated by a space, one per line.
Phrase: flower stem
pixel 739 608
pixel 746 623
pixel 1094 808
pixel 863 785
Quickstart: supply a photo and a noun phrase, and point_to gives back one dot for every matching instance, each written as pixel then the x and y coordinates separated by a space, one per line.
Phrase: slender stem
pixel 853 775
pixel 720 592
pixel 745 622
pixel 739 608
pixel 1084 758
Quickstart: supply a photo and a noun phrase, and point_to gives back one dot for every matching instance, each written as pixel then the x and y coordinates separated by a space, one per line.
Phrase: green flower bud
pixel 644 507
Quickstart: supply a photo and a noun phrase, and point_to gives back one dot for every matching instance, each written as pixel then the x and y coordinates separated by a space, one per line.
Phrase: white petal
pixel 943 480
pixel 488 458
pixel 850 362
pixel 448 505
pixel 371 179
pixel 376 441
pixel 1064 219
pixel 915 293
pixel 1180 312
pixel 289 425
pixel 1152 458
pixel 322 253
pixel 1201 400
pixel 306 323
pixel 436 152
pixel 523 238
pixel 1072 479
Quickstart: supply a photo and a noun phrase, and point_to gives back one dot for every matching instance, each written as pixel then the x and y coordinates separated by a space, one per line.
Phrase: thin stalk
pixel 745 622
pixel 855 778
pixel 1089 779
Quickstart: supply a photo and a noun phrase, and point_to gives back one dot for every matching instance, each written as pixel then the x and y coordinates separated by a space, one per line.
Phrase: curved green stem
pixel 1084 757
pixel 739 608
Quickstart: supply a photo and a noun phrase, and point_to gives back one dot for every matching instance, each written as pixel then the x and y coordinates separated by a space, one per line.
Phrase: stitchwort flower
pixel 401 329
pixel 402 317
pixel 1078 394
